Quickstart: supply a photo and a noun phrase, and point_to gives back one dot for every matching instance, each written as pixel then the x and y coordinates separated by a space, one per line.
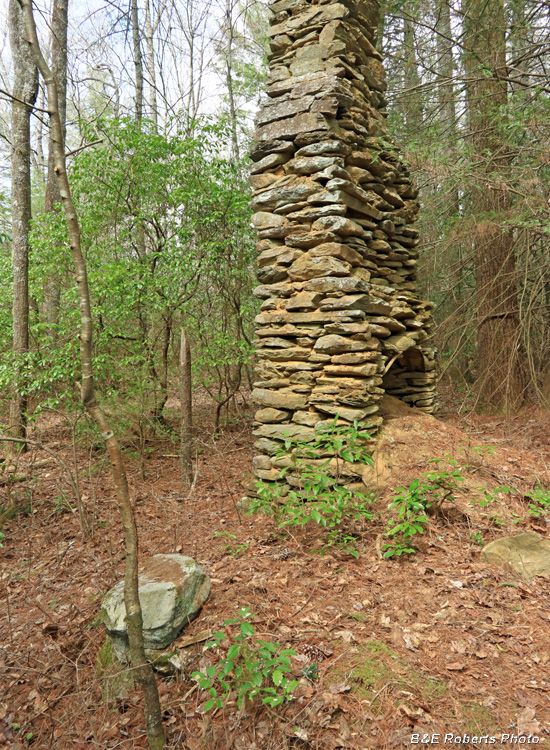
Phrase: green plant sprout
pixel 231 549
pixel 490 496
pixel 540 502
pixel 316 467
pixel 252 667
pixel 416 501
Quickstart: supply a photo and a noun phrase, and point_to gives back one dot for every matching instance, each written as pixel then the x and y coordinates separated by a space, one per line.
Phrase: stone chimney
pixel 334 205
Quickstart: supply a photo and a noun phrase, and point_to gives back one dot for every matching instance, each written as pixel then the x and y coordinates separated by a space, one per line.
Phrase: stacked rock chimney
pixel 334 207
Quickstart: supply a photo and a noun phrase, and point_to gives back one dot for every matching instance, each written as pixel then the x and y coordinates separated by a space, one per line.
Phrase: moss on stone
pixel 114 675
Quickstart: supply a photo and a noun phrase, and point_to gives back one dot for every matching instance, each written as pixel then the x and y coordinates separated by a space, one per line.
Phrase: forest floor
pixel 437 643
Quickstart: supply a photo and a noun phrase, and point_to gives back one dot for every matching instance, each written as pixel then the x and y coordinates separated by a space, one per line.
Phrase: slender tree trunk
pixel 413 101
pixel 500 361
pixel 149 38
pixel 446 70
pixel 25 89
pixel 229 30
pixel 142 669
pixel 186 397
pixel 59 21
pixel 138 62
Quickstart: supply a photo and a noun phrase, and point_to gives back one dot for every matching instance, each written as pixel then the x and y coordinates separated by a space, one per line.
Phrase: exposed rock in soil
pixel 172 589
pixel 527 554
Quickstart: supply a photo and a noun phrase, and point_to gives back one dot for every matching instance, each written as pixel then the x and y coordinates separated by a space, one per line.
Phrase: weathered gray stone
pixel 281 289
pixel 308 267
pixel 280 194
pixel 259 181
pixel 270 147
pixel 306 165
pixel 269 162
pixel 307 418
pixel 351 415
pixel 280 108
pixel 345 316
pixel 316 212
pixel 275 341
pixel 266 220
pixel 527 555
pixel 283 431
pixel 304 301
pixel 337 250
pixel 399 343
pixel 262 462
pixel 270 415
pixel 354 371
pixel 172 589
pixel 334 344
pixel 339 225
pixel 272 274
pixel 333 284
pixel 294 352
pixel 324 147
pixel 302 123
pixel 280 399
pixel 282 256
pixel 347 302
pixel 355 358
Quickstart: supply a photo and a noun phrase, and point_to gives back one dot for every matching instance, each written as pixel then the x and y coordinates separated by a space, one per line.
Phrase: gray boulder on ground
pixel 172 589
pixel 527 554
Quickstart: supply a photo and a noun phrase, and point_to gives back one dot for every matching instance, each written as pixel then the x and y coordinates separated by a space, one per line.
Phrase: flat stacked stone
pixel 334 208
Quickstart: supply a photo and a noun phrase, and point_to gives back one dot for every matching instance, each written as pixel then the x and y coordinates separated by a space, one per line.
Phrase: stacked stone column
pixel 334 211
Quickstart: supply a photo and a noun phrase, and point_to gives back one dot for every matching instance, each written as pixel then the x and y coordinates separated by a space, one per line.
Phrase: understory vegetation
pixel 352 604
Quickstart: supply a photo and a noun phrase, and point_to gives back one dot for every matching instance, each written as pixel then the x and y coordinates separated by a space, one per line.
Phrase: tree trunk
pixel 25 89
pixel 413 101
pixel 445 85
pixel 229 31
pixel 149 38
pixel 141 668
pixel 500 361
pixel 52 198
pixel 138 63
pixel 186 454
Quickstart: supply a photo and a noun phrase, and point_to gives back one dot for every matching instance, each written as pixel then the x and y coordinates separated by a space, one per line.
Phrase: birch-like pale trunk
pixel 25 91
pixel 140 667
pixel 151 73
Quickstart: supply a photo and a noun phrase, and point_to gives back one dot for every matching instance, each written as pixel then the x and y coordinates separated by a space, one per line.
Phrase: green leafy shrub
pixel 414 503
pixel 489 496
pixel 316 467
pixel 410 504
pixel 252 667
pixel 540 502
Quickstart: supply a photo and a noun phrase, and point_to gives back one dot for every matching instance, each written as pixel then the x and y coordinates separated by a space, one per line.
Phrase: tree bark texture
pixel 186 397
pixel 499 351
pixel 25 91
pixel 151 73
pixel 59 21
pixel 141 668
pixel 138 62
pixel 413 102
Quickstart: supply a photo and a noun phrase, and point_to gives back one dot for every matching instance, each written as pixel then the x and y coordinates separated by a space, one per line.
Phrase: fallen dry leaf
pixel 345 635
pixel 456 666
pixel 526 700
pixel 345 731
pixel 342 688
pixel 526 723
